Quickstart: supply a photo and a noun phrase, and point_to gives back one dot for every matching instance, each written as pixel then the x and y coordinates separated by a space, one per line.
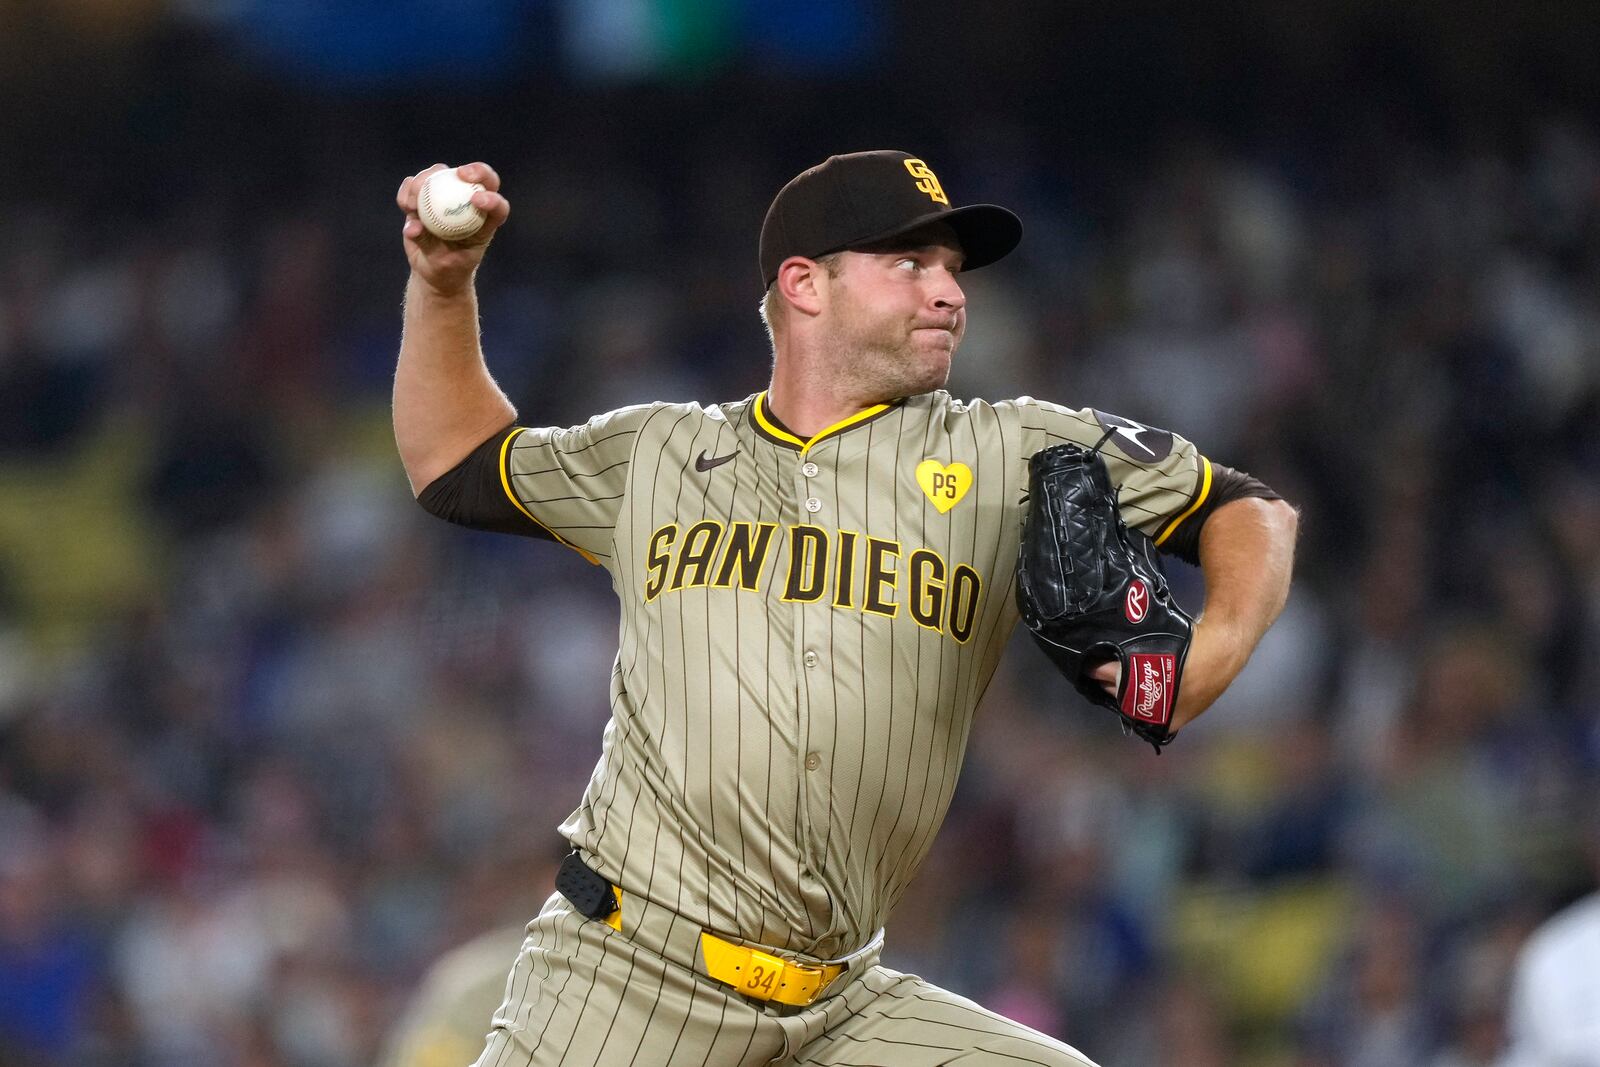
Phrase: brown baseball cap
pixel 863 197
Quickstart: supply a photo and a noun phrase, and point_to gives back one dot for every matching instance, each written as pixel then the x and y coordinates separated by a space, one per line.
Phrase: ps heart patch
pixel 945 486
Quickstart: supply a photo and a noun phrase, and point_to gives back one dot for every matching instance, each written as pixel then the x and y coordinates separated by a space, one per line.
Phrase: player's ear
pixel 800 280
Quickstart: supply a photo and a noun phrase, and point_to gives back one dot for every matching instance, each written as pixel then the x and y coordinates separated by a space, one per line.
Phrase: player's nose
pixel 947 294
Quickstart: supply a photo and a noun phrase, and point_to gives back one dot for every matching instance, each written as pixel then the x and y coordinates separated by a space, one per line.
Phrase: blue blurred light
pixel 817 36
pixel 383 42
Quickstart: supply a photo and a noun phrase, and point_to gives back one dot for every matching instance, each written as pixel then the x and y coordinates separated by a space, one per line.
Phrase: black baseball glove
pixel 1092 591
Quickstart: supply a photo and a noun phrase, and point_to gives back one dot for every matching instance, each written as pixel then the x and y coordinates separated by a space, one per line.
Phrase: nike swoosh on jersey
pixel 702 464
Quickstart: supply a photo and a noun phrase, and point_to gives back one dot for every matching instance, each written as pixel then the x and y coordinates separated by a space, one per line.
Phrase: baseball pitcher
pixel 816 586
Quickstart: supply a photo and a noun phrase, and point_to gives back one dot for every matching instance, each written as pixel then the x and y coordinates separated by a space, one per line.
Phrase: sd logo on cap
pixel 862 197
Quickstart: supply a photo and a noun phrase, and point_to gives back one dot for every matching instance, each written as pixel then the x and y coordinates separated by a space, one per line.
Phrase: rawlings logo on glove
pixel 1092 591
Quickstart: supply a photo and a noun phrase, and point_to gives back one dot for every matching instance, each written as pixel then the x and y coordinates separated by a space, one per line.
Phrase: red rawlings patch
pixel 1136 604
pixel 1148 694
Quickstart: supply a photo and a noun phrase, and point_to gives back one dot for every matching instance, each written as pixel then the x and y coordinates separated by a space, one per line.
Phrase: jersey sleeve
pixel 1163 479
pixel 570 482
pixel 564 485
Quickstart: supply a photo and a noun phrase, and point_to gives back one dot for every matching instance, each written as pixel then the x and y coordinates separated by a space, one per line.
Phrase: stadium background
pixel 271 738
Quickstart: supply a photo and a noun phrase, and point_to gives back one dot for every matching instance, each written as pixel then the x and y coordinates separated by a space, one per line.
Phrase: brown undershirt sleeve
pixel 472 494
pixel 1226 484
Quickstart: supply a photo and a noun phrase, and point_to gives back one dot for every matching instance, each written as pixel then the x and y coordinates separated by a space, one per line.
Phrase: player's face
pixel 896 315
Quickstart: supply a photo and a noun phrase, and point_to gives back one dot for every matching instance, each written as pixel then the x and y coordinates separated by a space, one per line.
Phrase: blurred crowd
pixel 271 738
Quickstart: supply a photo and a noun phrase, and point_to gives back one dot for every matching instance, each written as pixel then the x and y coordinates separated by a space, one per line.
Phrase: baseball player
pixel 816 588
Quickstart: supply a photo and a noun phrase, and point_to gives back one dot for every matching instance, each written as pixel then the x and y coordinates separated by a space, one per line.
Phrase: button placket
pixel 809 469
pixel 810 494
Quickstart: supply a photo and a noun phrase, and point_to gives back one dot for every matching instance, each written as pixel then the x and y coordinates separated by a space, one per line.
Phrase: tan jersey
pixel 806 629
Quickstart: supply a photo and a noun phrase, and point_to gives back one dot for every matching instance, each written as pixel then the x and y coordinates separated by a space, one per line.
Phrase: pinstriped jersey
pixel 807 626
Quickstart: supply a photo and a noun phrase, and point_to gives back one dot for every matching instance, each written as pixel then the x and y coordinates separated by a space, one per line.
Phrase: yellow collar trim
pixel 759 410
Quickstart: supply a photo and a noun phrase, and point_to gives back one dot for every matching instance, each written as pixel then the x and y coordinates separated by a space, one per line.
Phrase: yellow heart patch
pixel 945 486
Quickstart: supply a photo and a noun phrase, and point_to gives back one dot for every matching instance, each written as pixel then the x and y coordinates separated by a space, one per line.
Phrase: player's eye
pixel 907 263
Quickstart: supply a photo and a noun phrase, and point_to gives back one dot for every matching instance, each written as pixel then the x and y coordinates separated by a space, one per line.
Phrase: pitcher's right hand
pixel 447 267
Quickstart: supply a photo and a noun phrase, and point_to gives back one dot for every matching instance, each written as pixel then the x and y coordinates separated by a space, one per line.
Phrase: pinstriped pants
pixel 583 995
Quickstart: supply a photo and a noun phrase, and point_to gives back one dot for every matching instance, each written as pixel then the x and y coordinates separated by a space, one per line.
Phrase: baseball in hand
pixel 445 206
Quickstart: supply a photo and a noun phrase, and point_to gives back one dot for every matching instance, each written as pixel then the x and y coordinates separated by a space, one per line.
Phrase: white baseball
pixel 445 206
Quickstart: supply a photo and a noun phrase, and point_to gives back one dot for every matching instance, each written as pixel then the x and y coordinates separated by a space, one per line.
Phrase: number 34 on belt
pixel 765 976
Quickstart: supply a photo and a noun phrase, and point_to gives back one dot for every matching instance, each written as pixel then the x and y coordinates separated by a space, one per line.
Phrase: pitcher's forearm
pixel 445 401
pixel 1247 557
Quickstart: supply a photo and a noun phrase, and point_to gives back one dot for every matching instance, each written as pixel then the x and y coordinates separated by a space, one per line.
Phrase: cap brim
pixel 987 232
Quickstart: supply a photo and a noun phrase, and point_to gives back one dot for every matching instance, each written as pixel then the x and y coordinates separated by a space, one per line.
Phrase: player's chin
pixel 928 372
pixel 936 349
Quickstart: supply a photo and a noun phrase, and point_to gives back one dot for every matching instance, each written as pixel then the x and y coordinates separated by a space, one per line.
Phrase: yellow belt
pixel 753 972
pixel 765 976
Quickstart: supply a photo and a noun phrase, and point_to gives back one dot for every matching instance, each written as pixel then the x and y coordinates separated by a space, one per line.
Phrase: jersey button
pixel 813 761
pixel 810 658
pixel 809 470
pixel 813 505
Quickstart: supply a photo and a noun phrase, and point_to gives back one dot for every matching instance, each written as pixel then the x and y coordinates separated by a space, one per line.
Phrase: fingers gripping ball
pixel 445 206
